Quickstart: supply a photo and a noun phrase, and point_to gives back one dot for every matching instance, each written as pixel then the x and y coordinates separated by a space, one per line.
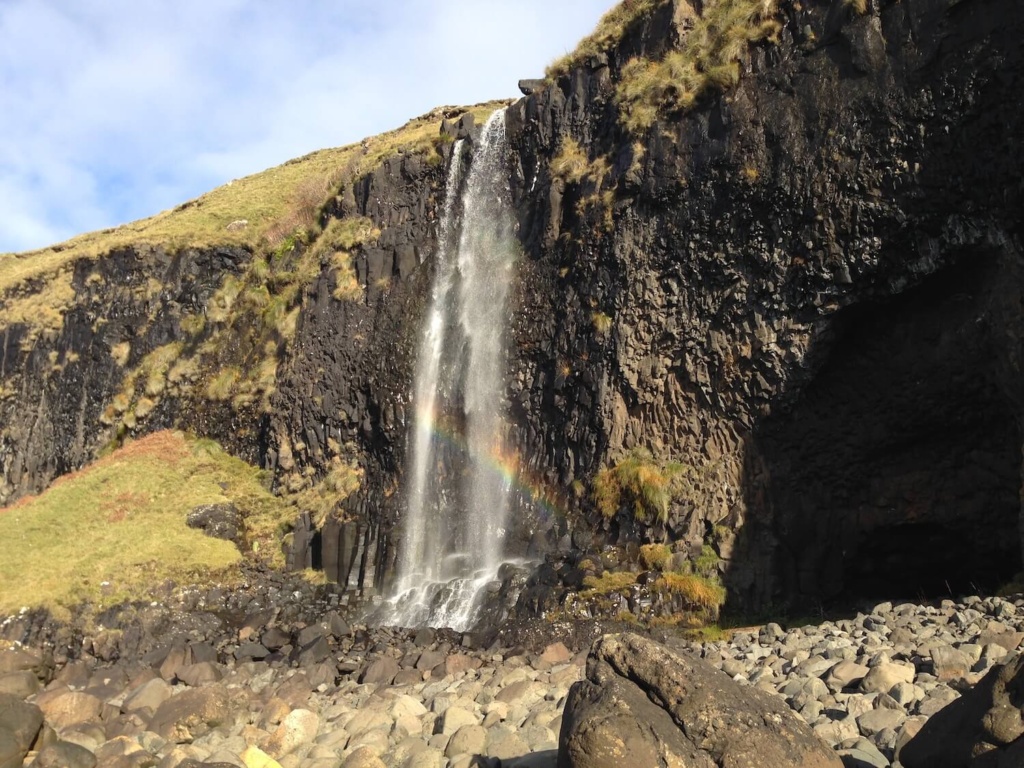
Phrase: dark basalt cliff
pixel 807 290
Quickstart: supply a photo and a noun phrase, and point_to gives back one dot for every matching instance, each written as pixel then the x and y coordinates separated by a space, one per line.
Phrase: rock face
pixel 807 291
pixel 642 703
pixel 800 311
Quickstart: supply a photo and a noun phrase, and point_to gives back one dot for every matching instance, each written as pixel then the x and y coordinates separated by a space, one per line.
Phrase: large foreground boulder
pixel 982 728
pixel 643 704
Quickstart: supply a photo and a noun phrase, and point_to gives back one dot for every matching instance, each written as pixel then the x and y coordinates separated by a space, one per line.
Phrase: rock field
pixel 298 685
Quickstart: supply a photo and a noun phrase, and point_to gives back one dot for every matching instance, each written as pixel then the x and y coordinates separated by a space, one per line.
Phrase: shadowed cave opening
pixel 897 472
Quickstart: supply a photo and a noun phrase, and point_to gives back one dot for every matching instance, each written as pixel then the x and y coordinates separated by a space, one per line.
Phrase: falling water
pixel 457 498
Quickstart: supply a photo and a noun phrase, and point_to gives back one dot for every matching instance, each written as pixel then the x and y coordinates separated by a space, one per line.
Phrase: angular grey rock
pixel 221 521
pixel 641 700
pixel 147 697
pixel 63 708
pixel 381 671
pixel 530 86
pixel 338 626
pixel 949 663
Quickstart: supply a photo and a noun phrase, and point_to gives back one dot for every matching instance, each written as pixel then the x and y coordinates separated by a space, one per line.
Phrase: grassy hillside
pixel 116 529
pixel 274 202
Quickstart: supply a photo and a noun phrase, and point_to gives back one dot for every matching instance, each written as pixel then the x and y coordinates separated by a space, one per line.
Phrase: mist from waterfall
pixel 457 494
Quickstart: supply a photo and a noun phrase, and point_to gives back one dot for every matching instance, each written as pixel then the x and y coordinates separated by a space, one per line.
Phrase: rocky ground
pixel 272 673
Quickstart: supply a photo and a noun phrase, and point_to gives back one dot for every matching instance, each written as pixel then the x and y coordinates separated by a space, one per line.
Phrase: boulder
pixel 380 672
pixel 643 704
pixel 885 675
pixel 21 684
pixel 27 660
pixel 556 653
pixel 949 663
pixel 363 757
pixel 65 708
pixel 986 718
pixel 191 713
pixel 147 697
pixel 221 521
pixel 254 757
pixel 298 727
pixel 64 754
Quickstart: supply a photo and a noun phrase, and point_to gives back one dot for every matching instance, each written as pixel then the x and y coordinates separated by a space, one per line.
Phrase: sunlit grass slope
pixel 268 201
pixel 115 529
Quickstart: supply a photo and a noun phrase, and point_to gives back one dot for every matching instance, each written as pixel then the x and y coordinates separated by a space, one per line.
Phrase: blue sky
pixel 113 110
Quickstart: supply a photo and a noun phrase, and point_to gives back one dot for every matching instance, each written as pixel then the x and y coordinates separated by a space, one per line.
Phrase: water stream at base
pixel 457 493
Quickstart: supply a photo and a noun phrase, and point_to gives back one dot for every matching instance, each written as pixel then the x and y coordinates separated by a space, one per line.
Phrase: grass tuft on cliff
pixel 637 483
pixel 707 59
pixel 610 30
pixel 116 529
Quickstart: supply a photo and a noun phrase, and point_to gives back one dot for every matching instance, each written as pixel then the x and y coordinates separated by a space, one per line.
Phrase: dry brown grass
pixel 41 310
pixel 637 483
pixel 571 163
pixel 609 31
pixel 323 498
pixel 695 592
pixel 602 323
pixel 707 60
pixel 655 557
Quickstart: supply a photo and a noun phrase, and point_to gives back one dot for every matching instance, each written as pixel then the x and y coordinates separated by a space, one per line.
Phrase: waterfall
pixel 457 491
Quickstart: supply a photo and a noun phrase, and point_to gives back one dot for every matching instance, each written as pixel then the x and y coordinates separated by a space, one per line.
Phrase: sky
pixel 113 110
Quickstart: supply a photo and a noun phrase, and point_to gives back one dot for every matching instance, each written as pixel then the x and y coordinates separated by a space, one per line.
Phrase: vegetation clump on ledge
pixel 639 484
pixel 610 30
pixel 707 59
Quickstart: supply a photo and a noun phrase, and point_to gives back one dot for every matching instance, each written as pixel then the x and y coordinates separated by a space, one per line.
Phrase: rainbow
pixel 508 465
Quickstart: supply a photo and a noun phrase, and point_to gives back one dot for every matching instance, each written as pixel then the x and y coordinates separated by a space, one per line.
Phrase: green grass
pixel 116 529
pixel 609 31
pixel 707 60
pixel 607 583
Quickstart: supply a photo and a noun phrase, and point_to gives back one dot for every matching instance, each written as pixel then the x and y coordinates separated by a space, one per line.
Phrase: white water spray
pixel 454 527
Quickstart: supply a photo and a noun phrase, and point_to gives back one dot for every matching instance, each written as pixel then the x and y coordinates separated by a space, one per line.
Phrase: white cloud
pixel 115 110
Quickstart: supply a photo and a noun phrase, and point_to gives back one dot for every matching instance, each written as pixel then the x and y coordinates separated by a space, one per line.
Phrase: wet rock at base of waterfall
pixel 644 703
pixel 221 521
pixel 986 720
pixel 382 671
